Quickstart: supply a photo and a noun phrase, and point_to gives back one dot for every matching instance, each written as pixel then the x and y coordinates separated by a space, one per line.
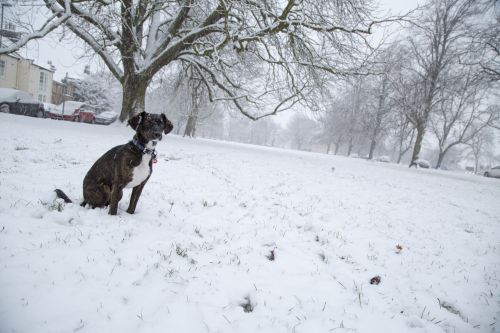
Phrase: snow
pixel 69 107
pixel 50 107
pixel 196 253
pixel 13 95
pixel 108 115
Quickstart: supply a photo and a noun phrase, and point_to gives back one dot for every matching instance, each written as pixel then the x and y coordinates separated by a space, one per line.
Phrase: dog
pixel 125 166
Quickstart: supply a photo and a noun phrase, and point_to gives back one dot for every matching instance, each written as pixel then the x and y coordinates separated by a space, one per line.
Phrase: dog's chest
pixel 140 172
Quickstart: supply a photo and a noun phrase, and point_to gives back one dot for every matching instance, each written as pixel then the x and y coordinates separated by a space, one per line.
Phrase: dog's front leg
pixel 116 195
pixel 134 198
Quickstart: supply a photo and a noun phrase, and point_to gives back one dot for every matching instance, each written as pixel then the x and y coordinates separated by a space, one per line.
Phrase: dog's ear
pixel 136 120
pixel 168 127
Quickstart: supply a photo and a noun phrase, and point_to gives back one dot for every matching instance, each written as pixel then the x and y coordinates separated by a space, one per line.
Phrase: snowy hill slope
pixel 237 238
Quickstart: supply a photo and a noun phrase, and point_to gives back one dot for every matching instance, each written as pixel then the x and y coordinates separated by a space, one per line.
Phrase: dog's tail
pixel 62 195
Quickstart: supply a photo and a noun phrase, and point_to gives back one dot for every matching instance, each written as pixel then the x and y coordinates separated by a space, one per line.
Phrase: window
pixel 42 98
pixel 10 26
pixel 44 81
pixel 2 68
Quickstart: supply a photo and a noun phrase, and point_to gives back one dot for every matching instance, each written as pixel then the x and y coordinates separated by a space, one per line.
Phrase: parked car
pixel 20 102
pixel 493 172
pixel 74 111
pixel 423 163
pixel 49 107
pixel 383 158
pixel 106 117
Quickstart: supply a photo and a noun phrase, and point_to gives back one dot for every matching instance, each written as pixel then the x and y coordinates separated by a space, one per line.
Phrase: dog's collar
pixel 144 149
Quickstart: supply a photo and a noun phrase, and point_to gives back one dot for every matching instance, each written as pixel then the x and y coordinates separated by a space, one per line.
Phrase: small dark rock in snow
pixel 399 248
pixel 375 280
pixel 271 256
pixel 247 305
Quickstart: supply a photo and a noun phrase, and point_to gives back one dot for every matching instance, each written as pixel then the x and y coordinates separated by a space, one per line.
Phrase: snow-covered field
pixel 197 255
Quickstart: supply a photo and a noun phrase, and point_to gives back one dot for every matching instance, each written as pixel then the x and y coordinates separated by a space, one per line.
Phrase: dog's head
pixel 150 126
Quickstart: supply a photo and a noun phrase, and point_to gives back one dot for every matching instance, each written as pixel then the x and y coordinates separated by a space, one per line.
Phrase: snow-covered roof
pixel 18 56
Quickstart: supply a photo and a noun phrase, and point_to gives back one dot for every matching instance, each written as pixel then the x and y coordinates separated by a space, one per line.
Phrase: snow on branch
pixel 262 106
pixel 112 36
pixel 60 16
pixel 289 45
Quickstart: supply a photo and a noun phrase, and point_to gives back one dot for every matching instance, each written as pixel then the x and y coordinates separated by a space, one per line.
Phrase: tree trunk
pixel 476 163
pixel 372 148
pixel 328 146
pixel 400 156
pixel 378 119
pixel 191 126
pixel 440 159
pixel 134 96
pixel 401 151
pixel 195 108
pixel 178 126
pixel 337 147
pixel 299 145
pixel 418 145
pixel 349 147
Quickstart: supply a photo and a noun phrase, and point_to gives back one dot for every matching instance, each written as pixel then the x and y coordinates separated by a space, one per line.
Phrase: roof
pixel 20 57
pixel 45 68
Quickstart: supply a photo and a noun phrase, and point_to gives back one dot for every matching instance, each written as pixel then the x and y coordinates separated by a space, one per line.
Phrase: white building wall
pixel 23 74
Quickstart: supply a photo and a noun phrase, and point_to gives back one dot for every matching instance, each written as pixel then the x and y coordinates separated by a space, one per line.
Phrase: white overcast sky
pixel 66 56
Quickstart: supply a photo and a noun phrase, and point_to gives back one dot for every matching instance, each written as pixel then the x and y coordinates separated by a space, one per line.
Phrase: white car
pixel 49 107
pixel 106 117
pixel 423 163
pixel 383 158
pixel 493 172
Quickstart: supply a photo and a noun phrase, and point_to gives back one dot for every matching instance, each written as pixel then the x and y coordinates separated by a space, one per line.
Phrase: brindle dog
pixel 128 165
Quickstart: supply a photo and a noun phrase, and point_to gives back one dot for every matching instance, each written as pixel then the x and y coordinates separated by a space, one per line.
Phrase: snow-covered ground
pixel 196 256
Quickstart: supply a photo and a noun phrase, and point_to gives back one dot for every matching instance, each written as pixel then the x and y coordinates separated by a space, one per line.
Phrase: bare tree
pixel 327 132
pixel 196 92
pixel 343 121
pixel 460 113
pixel 403 135
pixel 438 41
pixel 301 131
pixel 258 54
pixel 486 42
pixel 334 126
pixel 479 147
pixel 379 95
pixel 356 99
pixel 264 132
pixel 375 119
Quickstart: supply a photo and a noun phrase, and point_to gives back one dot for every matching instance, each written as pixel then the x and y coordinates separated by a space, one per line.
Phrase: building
pixel 19 73
pixel 60 89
